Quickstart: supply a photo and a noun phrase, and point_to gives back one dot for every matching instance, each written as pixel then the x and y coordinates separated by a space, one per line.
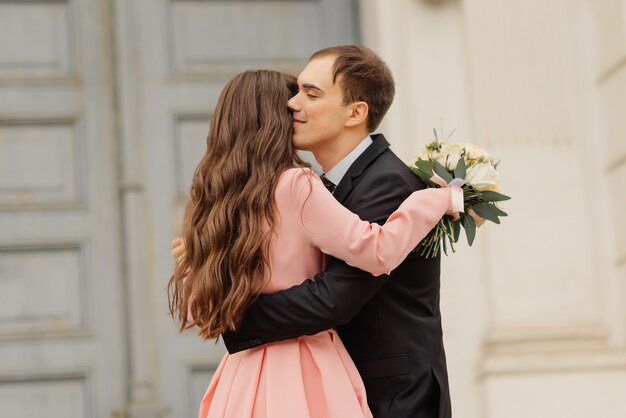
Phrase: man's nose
pixel 293 103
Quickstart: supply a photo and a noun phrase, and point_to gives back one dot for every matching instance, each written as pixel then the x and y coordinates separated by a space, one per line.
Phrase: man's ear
pixel 358 114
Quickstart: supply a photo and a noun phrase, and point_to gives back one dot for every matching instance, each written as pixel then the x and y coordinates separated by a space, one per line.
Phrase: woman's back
pixel 292 256
pixel 313 376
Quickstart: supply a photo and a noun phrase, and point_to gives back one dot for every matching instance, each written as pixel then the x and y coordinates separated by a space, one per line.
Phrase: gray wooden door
pixel 62 350
pixel 188 50
pixel 104 110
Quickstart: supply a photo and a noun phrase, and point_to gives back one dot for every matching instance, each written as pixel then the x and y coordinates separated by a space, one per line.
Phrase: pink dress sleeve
pixel 371 247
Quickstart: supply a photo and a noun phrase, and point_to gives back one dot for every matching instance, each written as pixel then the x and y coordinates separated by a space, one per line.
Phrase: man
pixel 390 325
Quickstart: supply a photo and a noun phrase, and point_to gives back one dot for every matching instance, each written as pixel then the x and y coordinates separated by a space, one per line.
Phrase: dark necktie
pixel 329 184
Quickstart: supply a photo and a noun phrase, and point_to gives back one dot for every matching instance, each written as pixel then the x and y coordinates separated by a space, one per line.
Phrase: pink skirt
pixel 310 377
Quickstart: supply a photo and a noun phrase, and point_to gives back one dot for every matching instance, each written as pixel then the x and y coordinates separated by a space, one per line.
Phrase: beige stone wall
pixel 533 312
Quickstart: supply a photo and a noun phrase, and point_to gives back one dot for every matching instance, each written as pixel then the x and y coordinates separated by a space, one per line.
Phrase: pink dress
pixel 313 376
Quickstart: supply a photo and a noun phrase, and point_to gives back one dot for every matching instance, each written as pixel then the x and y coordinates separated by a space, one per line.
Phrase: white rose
pixel 430 151
pixel 425 154
pixel 474 152
pixel 450 155
pixel 482 176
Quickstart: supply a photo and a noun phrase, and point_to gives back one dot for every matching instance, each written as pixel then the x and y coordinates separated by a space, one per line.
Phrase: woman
pixel 255 224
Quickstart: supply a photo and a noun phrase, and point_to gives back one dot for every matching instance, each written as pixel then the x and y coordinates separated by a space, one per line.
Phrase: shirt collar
pixel 340 169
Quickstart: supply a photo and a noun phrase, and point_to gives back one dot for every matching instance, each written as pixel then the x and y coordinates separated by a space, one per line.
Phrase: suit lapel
pixel 378 146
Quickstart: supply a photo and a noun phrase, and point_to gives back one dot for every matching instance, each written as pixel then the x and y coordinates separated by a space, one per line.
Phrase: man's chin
pixel 299 146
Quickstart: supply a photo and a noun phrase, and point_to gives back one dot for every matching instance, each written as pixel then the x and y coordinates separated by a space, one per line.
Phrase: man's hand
pixel 477 219
pixel 178 249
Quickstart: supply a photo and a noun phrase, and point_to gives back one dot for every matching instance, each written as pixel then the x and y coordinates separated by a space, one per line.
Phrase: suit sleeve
pixel 334 296
pixel 338 232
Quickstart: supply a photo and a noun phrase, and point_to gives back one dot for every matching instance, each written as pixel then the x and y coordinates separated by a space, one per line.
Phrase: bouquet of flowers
pixel 474 170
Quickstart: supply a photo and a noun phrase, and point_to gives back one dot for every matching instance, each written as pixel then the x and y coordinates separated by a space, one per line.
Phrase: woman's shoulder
pixel 298 175
pixel 296 181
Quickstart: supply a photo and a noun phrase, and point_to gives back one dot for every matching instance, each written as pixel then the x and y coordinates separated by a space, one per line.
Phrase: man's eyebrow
pixel 309 86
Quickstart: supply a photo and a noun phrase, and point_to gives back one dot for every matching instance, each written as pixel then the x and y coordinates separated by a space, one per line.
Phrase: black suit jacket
pixel 390 325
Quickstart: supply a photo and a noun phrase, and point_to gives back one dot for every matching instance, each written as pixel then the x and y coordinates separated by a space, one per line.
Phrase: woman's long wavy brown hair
pixel 230 215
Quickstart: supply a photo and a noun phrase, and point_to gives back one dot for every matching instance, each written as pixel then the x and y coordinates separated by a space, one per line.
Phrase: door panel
pixel 104 110
pixel 61 334
pixel 189 50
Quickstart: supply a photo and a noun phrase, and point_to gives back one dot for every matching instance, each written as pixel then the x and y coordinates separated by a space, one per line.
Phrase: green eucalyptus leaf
pixel 489 196
pixel 487 211
pixel 456 230
pixel 442 172
pixel 499 211
pixel 470 229
pixel 425 165
pixel 460 171
pixel 420 173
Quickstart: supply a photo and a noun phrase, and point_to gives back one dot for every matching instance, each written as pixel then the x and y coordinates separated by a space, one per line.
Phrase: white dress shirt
pixel 340 169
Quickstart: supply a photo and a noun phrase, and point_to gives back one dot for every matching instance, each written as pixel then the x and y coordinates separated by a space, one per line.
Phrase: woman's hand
pixel 178 249
pixel 453 193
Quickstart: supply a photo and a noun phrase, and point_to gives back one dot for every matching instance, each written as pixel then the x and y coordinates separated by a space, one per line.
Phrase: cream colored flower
pixel 430 151
pixel 450 155
pixel 474 153
pixel 482 176
pixel 425 154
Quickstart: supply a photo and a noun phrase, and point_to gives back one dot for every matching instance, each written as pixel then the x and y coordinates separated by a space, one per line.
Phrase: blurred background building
pixel 104 109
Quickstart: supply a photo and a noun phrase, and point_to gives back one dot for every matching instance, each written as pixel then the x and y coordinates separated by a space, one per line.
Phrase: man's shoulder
pixel 389 168
pixel 381 187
